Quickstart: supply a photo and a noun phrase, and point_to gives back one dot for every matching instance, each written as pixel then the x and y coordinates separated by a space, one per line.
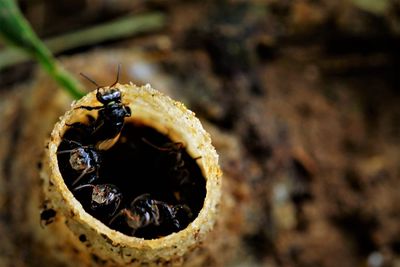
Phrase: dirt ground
pixel 301 99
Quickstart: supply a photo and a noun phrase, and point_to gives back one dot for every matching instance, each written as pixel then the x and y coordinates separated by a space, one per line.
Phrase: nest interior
pixel 143 162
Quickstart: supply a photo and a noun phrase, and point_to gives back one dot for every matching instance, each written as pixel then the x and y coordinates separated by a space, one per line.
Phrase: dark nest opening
pixel 141 162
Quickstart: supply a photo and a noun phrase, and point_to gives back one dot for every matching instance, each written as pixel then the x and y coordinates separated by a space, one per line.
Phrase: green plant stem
pixel 17 31
pixel 120 28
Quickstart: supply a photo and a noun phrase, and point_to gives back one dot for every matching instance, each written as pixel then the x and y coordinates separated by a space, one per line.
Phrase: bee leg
pixel 116 216
pixel 73 142
pixel 176 223
pixel 117 203
pixel 66 151
pixel 95 176
pixel 85 171
pixel 83 186
pixel 117 79
pixel 90 107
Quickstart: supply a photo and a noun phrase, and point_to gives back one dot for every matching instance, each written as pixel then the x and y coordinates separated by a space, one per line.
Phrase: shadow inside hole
pixel 137 164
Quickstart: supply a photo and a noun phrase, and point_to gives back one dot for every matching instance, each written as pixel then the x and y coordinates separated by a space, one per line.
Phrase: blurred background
pixel 301 98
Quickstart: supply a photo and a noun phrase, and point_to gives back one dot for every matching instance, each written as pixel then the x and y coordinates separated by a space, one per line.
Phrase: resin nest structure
pixel 146 194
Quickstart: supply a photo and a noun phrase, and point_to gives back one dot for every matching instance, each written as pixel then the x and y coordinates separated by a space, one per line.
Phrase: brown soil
pixel 301 99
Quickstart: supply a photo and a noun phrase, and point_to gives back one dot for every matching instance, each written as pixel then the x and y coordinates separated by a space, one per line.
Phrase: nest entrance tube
pixel 164 168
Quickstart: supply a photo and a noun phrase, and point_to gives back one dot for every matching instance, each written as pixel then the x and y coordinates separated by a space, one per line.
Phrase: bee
pixel 171 213
pixel 83 159
pixel 106 128
pixel 103 195
pixel 174 151
pixel 145 211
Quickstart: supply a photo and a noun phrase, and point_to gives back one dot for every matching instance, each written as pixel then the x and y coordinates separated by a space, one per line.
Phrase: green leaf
pixel 15 29
pixel 110 30
pixel 377 7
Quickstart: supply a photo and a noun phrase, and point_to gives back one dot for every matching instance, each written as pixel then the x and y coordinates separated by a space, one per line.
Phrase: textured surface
pixel 310 157
pixel 153 109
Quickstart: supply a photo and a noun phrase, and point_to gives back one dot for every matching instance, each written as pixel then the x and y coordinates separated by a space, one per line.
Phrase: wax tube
pixel 95 241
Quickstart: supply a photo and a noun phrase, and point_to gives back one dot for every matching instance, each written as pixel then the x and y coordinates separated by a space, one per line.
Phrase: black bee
pixel 106 128
pixel 173 214
pixel 145 211
pixel 103 195
pixel 174 151
pixel 83 159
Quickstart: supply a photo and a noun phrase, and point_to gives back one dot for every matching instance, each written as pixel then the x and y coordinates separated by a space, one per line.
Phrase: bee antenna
pixel 118 71
pixel 116 216
pixel 83 186
pixel 90 80
pixel 73 142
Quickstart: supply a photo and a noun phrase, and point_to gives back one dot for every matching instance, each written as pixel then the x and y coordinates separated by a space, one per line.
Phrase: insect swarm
pixel 157 118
